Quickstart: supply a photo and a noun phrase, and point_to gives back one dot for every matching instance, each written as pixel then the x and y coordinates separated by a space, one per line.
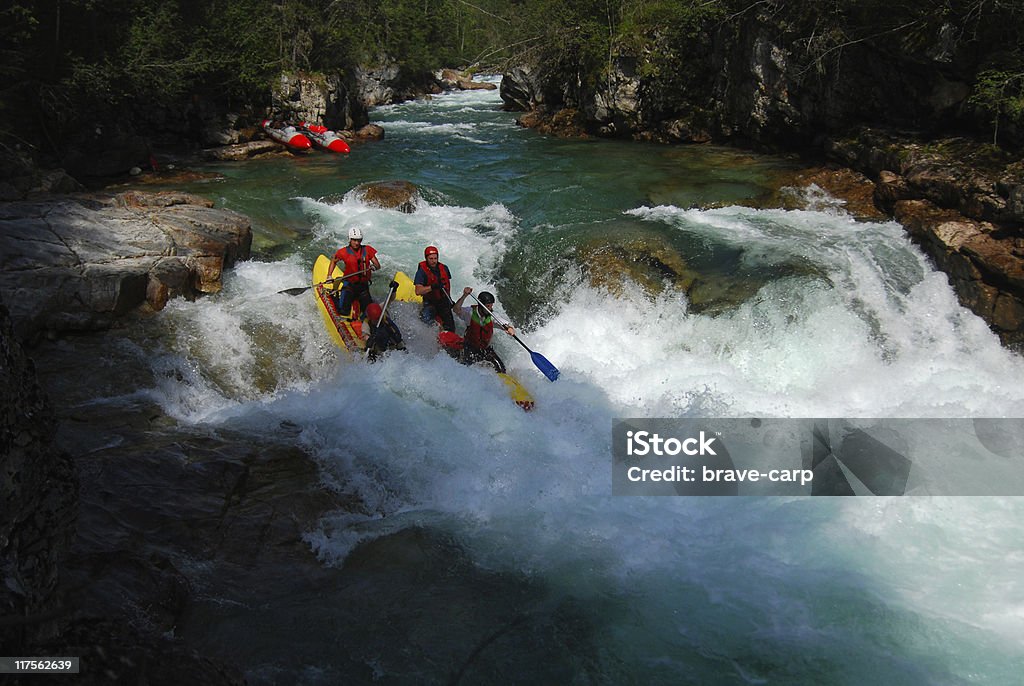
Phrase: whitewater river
pixel 792 313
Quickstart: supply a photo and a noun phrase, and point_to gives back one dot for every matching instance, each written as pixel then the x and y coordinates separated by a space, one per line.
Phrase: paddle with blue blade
pixel 549 370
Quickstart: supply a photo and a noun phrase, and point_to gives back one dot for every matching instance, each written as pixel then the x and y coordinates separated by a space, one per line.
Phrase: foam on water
pixel 469 240
pixel 896 590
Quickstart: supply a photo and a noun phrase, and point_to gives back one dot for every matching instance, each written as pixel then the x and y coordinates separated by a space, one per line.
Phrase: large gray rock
pixel 520 88
pixel 320 99
pixel 375 85
pixel 78 263
pixel 616 108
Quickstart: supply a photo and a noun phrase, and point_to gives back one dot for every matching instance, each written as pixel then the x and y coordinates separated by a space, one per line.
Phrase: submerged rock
pixel 370 132
pixel 856 191
pixel 712 284
pixel 646 261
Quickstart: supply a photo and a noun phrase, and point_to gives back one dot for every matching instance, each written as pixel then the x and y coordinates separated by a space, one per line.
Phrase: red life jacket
pixel 432 278
pixel 480 329
pixel 356 262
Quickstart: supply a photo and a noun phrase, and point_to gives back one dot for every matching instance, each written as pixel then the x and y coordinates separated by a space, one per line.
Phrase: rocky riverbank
pixel 962 200
pixel 78 262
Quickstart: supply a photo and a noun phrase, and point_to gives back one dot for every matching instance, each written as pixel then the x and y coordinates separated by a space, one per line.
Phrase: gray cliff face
pixel 38 500
pixel 773 86
pixel 761 79
pixel 330 100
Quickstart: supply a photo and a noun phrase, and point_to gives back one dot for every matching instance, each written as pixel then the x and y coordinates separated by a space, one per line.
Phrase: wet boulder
pixel 390 195
pixel 370 132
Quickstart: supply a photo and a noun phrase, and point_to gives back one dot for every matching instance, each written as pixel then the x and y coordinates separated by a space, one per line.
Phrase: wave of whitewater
pixel 911 590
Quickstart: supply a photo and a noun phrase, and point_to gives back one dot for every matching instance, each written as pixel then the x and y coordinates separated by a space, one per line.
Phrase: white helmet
pixel 355 233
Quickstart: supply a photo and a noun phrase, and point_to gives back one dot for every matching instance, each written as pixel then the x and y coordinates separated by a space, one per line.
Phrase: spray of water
pixel 892 589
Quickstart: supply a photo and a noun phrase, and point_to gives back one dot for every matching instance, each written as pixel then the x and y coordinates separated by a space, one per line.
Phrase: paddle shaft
pixel 542 363
pixel 491 312
pixel 346 276
pixel 383 311
pixel 303 289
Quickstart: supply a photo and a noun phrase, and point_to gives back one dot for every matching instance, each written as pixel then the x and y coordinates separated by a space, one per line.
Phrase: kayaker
pixel 479 320
pixel 360 261
pixel 433 282
pixel 384 337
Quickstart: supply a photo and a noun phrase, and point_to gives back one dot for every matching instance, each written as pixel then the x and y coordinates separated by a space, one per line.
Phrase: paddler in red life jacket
pixel 359 260
pixel 476 345
pixel 433 282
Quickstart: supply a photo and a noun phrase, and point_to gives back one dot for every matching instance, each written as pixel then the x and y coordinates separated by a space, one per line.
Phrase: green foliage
pixel 1000 93
pixel 136 53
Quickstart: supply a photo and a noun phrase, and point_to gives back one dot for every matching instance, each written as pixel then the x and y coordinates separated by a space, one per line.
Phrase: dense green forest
pixel 60 58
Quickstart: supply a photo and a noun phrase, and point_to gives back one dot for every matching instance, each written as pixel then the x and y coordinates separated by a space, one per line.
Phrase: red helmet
pixel 373 311
pixel 431 250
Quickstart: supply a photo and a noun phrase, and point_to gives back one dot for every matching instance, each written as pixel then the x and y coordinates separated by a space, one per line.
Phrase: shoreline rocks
pixel 77 263
pixel 963 203
pixel 929 186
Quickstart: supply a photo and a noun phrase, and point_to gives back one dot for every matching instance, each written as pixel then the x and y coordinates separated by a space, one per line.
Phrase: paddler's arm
pixel 330 269
pixel 457 305
pixel 420 283
pixel 374 263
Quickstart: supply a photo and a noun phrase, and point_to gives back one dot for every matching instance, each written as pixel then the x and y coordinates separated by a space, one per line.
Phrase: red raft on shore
pixel 324 137
pixel 288 135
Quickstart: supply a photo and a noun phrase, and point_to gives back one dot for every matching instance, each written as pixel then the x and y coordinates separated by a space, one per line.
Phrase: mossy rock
pixel 648 261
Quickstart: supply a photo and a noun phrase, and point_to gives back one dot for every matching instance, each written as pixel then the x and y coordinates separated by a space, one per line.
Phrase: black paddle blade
pixel 549 370
pixel 295 291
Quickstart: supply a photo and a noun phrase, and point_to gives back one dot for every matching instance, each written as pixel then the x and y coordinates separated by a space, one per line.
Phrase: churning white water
pixel 744 590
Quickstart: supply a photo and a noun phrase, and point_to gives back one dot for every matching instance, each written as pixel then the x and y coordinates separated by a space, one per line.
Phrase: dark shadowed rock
pixel 38 501
pixel 520 89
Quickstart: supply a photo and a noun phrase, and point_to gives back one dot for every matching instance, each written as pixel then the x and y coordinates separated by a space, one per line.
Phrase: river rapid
pixel 791 313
